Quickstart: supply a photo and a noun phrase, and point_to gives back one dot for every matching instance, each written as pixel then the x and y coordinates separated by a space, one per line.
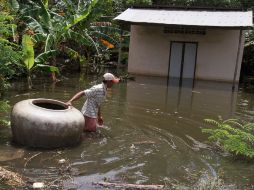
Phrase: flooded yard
pixel 152 135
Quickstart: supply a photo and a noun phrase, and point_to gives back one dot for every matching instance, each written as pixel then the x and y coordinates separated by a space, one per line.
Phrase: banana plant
pixel 57 26
pixel 54 28
pixel 31 63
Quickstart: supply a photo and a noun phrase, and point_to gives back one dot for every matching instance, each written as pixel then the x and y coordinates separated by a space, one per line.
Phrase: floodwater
pixel 151 135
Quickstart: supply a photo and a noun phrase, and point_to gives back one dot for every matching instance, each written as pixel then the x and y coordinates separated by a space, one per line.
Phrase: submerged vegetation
pixel 232 136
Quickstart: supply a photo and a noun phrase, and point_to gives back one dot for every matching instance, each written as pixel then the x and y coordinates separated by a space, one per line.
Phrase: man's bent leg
pixel 90 124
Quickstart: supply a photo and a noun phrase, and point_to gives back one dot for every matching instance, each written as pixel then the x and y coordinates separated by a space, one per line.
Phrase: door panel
pixel 189 60
pixel 182 60
pixel 176 59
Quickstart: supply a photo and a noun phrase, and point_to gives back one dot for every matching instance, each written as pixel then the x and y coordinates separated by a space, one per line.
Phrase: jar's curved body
pixel 46 123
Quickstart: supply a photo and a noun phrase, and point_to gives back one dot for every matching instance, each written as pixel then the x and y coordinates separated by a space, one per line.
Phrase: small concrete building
pixel 187 43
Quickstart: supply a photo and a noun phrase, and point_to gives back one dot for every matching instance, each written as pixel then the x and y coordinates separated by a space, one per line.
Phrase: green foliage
pixel 76 18
pixel 205 3
pixel 54 27
pixel 28 51
pixel 121 5
pixel 10 54
pixel 232 136
pixel 32 63
pixel 4 108
pixel 139 2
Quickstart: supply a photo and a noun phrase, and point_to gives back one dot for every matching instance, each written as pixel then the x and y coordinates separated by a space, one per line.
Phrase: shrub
pixel 232 136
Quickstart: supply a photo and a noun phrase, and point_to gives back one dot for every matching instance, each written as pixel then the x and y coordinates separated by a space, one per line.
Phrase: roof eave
pixel 174 25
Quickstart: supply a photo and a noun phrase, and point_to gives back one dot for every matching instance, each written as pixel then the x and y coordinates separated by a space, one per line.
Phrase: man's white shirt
pixel 94 97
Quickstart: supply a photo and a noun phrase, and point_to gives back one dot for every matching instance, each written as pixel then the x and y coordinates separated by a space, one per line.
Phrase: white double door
pixel 182 60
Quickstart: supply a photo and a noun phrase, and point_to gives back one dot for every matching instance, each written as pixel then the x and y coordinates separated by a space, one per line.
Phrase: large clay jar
pixel 46 123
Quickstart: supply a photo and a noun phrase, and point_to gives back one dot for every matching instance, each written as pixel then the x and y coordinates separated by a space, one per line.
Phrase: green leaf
pixel 46 3
pixel 35 25
pixel 232 136
pixel 39 37
pixel 45 16
pixel 43 57
pixel 234 122
pixel 4 107
pixel 48 68
pixel 79 17
pixel 28 51
pixel 15 5
pixel 71 53
pixel 212 122
pixel 49 42
pixel 79 38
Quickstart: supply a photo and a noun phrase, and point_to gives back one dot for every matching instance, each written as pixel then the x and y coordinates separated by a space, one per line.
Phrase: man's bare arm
pixel 75 97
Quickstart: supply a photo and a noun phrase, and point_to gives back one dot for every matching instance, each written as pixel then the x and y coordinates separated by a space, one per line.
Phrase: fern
pixel 233 136
pixel 212 122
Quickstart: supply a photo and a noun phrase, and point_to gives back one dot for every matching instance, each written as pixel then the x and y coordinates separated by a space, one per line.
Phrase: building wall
pixel 216 56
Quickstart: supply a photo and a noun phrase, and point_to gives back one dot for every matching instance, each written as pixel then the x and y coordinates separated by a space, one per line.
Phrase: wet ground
pixel 152 135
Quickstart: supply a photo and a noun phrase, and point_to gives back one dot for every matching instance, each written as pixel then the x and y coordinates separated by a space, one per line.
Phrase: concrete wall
pixel 216 56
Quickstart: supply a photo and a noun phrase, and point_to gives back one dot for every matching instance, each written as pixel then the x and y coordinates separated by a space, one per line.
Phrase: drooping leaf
pixel 35 25
pixel 212 122
pixel 43 57
pixel 47 68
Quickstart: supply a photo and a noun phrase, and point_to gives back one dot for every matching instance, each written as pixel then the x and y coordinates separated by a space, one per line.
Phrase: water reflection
pixel 152 133
pixel 181 105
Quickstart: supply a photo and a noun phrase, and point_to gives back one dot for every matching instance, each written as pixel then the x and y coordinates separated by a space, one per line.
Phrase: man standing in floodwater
pixel 95 96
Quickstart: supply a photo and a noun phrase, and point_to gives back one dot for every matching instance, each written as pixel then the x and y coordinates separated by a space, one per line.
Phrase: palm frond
pixel 233 121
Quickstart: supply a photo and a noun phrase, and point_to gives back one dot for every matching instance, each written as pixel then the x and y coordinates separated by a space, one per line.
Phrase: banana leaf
pixel 35 25
pixel 79 38
pixel 49 42
pixel 39 37
pixel 71 53
pixel 44 56
pixel 79 17
pixel 28 51
pixel 15 5
pixel 45 16
pixel 47 68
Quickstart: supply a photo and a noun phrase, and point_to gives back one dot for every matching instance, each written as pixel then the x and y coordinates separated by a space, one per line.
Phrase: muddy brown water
pixel 151 135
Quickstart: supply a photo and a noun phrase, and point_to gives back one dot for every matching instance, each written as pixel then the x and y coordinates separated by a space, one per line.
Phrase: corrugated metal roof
pixel 188 17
